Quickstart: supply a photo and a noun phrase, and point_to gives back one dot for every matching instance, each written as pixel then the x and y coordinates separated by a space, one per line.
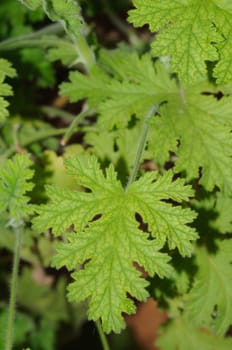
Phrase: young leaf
pixel 189 31
pixel 107 237
pixel 180 334
pixel 125 85
pixel 6 70
pixel 210 300
pixel 14 183
pixel 201 126
pixel 67 11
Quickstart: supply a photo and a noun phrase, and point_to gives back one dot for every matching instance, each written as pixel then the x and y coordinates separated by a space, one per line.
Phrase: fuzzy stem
pixel 85 53
pixel 140 147
pixel 13 290
pixel 52 112
pixel 104 341
pixel 38 137
pixel 72 128
pixel 33 37
pixel 34 42
pixel 124 28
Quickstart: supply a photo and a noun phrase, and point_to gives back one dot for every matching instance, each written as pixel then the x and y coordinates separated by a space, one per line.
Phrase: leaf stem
pixel 13 290
pixel 104 341
pixel 140 147
pixel 15 42
pixel 124 28
pixel 72 128
pixel 38 137
pixel 52 112
pixel 86 55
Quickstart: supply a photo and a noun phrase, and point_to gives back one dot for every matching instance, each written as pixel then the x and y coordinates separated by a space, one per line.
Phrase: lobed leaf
pixel 191 32
pixel 15 178
pixel 66 11
pixel 6 70
pixel 181 335
pixel 136 82
pixel 201 126
pixel 107 239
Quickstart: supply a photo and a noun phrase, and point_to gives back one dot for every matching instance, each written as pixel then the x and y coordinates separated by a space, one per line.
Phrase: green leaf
pixel 66 11
pixel 200 125
pixel 124 86
pixel 180 334
pixel 223 221
pixel 209 303
pixel 14 183
pixel 117 146
pixel 44 337
pixel 215 211
pixel 6 70
pixel 16 19
pixel 223 70
pixel 107 237
pixel 38 67
pixel 66 54
pixel 190 32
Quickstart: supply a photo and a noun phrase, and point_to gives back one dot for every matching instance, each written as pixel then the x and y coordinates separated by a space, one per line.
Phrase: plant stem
pixel 45 42
pixel 15 42
pixel 57 112
pixel 86 55
pixel 13 290
pixel 104 341
pixel 140 147
pixel 124 28
pixel 71 129
pixel 38 137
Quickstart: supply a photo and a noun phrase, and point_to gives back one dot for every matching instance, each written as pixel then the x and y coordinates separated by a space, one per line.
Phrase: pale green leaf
pixel 215 211
pixel 223 70
pixel 6 70
pixel 66 11
pixel 201 126
pixel 126 85
pixel 67 54
pixel 190 32
pixel 223 220
pixel 209 303
pixel 107 238
pixel 180 334
pixel 15 176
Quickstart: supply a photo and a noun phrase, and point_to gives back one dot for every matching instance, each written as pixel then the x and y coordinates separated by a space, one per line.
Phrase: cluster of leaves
pixel 173 224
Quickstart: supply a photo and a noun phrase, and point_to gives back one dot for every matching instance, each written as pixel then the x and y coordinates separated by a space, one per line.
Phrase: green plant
pixel 170 106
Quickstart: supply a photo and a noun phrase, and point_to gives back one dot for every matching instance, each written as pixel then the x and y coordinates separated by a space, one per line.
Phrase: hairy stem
pixel 123 28
pixel 33 42
pixel 140 147
pixel 72 128
pixel 38 137
pixel 22 40
pixel 52 112
pixel 13 289
pixel 104 341
pixel 86 55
